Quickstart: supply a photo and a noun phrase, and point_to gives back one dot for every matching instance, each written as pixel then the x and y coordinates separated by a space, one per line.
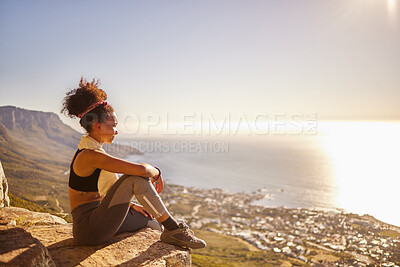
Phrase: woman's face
pixel 108 128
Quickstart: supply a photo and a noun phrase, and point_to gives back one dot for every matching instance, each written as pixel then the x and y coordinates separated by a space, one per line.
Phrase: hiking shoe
pixel 183 237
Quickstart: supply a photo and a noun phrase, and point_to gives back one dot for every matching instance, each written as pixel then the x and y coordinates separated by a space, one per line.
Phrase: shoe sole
pixel 182 246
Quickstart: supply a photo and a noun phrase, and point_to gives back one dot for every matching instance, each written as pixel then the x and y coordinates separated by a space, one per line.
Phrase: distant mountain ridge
pixel 46 132
pixel 30 126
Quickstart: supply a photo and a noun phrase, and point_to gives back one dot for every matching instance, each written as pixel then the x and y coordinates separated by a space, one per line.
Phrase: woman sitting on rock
pixel 100 201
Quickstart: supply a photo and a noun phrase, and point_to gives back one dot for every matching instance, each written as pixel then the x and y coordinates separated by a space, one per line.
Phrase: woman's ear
pixel 97 126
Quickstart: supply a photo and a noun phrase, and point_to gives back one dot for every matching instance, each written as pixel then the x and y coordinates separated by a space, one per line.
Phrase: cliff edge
pixel 30 238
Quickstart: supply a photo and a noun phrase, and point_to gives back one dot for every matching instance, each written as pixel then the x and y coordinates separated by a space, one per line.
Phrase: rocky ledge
pixel 39 239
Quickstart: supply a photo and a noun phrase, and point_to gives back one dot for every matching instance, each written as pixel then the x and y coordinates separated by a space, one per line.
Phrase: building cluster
pixel 312 236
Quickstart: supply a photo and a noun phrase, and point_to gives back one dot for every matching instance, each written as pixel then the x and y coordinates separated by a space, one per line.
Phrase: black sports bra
pixel 84 184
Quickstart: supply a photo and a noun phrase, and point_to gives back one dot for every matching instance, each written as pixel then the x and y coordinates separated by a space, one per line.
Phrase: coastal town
pixel 313 237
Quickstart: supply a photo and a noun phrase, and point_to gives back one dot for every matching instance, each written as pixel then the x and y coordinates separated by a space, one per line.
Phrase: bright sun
pixel 392 5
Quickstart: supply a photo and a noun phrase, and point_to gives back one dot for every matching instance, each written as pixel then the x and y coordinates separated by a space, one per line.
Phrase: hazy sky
pixel 338 59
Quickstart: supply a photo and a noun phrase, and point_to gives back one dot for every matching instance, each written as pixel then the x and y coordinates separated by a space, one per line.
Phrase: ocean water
pixel 352 166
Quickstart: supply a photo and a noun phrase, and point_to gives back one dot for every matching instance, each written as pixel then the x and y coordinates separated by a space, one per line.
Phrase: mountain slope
pixel 52 139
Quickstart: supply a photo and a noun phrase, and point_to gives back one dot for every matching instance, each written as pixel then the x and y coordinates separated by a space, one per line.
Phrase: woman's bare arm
pixel 110 163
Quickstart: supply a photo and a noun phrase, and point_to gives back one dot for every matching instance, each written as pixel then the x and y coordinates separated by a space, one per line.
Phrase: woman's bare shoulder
pixel 83 165
pixel 90 154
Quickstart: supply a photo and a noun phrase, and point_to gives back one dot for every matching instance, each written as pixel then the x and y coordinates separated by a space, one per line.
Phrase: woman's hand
pixel 140 209
pixel 159 183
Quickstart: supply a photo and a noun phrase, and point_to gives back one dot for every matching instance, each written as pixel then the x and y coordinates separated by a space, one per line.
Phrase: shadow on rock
pixel 156 251
pixel 19 248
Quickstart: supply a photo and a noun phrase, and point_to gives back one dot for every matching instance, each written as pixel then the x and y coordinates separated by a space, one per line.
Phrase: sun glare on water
pixel 365 159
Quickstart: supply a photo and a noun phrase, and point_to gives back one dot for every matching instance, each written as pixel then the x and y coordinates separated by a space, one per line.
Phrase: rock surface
pixel 141 248
pixel 19 248
pixel 40 244
pixel 15 216
pixel 4 199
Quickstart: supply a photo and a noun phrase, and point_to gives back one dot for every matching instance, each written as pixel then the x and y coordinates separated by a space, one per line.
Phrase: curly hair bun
pixel 78 100
pixel 81 103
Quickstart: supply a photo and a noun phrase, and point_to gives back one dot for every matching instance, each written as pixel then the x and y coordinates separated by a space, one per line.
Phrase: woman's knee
pixel 129 176
pixel 134 178
pixel 141 184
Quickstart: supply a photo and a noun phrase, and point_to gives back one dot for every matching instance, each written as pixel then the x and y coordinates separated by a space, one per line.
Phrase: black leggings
pixel 97 222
